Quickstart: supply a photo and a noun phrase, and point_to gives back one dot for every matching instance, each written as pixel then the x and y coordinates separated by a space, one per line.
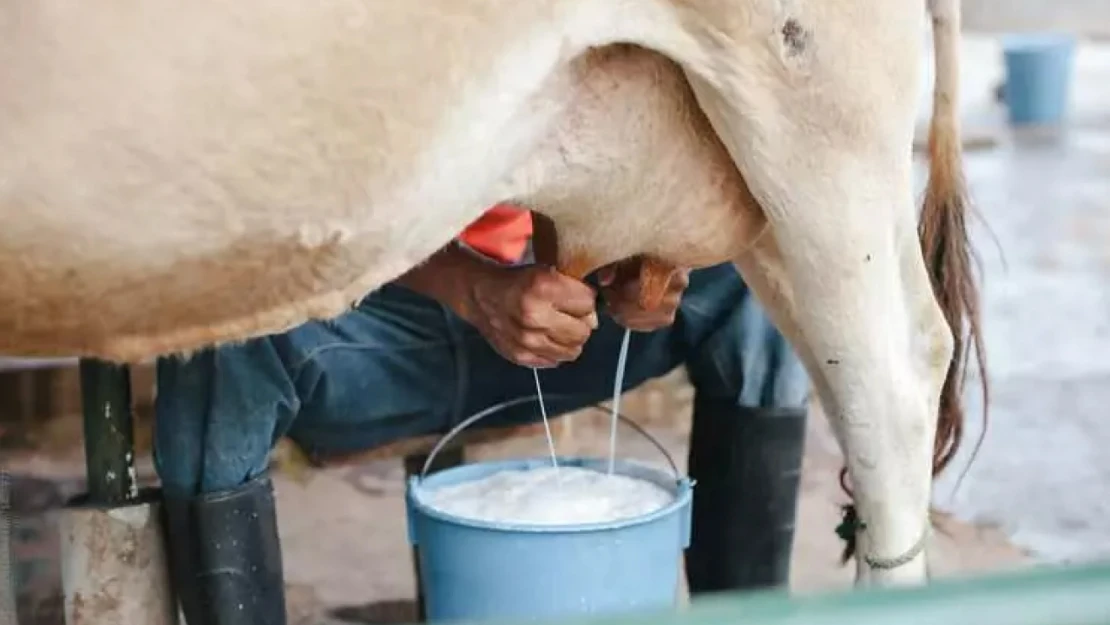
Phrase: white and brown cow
pixel 176 174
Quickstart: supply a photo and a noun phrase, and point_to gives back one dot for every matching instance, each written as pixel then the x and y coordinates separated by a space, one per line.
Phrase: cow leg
pixel 851 293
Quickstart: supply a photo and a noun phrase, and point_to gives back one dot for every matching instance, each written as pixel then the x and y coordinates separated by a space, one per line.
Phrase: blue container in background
pixel 1038 77
pixel 478 570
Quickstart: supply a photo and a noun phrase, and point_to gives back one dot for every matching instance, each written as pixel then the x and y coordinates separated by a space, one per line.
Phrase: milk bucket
pixel 484 570
pixel 1038 77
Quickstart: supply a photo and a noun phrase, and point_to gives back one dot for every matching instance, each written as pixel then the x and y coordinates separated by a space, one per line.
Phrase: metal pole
pixel 114 566
pixel 109 433
pixel 7 563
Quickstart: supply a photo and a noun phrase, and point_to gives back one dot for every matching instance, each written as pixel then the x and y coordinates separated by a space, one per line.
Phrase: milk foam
pixel 549 496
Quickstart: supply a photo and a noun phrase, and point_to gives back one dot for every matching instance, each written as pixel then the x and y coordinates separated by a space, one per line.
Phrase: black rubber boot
pixel 747 466
pixel 225 556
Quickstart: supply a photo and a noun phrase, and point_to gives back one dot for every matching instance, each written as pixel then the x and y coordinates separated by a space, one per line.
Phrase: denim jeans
pixel 401 365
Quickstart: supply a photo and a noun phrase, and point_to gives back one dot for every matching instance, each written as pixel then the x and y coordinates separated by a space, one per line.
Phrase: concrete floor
pixel 1088 17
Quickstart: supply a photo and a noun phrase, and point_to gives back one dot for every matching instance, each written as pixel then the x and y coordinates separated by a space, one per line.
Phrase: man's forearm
pixel 447 277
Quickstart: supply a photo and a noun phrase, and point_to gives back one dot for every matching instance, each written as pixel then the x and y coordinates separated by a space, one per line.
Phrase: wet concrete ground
pixel 1087 17
pixel 1043 472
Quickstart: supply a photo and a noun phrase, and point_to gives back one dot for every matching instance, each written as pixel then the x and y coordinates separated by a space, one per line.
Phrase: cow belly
pixel 113 300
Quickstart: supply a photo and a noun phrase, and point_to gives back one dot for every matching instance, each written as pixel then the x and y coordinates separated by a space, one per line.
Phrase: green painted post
pixel 7 561
pixel 109 433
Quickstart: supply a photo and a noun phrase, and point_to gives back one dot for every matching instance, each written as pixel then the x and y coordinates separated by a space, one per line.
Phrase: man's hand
pixel 621 286
pixel 534 316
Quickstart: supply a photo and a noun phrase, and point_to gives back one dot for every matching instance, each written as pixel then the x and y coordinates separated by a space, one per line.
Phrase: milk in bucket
pixel 549 496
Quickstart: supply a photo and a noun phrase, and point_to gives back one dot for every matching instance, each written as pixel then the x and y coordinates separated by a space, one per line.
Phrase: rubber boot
pixel 746 463
pixel 225 556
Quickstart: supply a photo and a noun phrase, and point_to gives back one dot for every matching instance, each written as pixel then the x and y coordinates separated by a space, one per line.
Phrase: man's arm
pixel 533 315
pixel 449 276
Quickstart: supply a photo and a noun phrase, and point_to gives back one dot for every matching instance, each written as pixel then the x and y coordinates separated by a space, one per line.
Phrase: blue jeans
pixel 401 365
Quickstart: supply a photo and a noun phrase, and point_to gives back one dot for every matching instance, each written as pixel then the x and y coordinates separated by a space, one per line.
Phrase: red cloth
pixel 501 233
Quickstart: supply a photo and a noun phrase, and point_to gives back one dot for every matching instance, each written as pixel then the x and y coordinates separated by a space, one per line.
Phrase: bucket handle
pixel 478 416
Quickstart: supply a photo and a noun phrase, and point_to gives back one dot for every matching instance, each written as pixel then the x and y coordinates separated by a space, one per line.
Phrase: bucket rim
pixel 683 495
pixel 1038 42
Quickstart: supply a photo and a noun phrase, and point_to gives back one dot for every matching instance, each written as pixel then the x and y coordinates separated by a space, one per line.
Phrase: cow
pixel 182 174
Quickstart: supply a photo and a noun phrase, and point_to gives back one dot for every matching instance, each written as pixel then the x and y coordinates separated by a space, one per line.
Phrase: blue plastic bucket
pixel 1038 77
pixel 479 570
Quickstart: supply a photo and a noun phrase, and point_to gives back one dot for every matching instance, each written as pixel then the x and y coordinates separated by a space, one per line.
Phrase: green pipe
pixel 109 433
pixel 1074 595
pixel 1040 596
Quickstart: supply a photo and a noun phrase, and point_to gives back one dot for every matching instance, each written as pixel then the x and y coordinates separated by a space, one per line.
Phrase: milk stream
pixel 557 495
pixel 618 386
pixel 546 424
